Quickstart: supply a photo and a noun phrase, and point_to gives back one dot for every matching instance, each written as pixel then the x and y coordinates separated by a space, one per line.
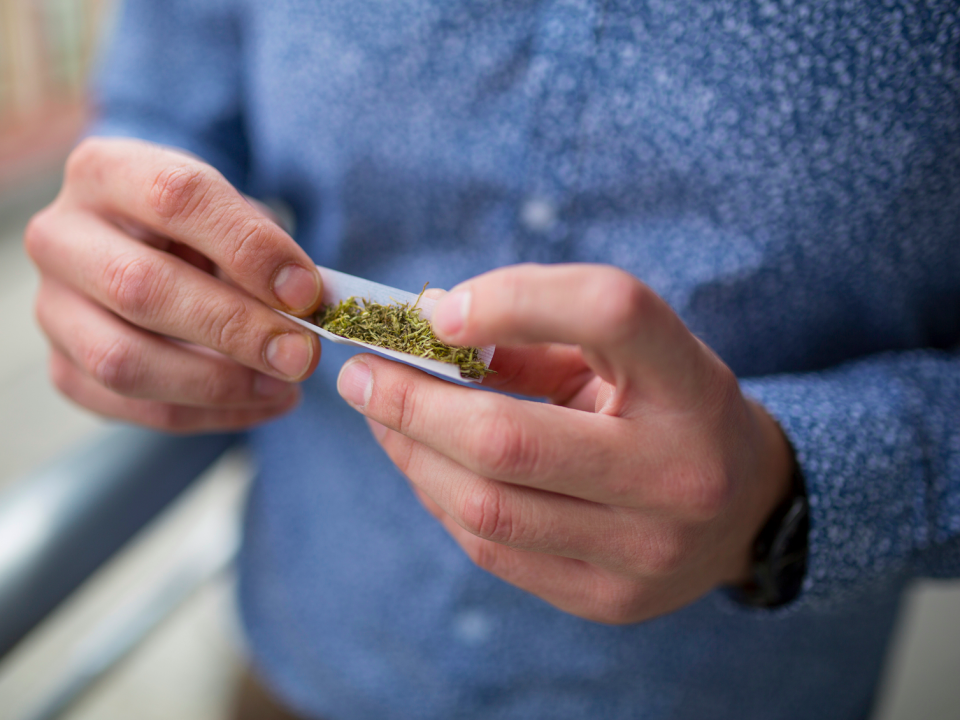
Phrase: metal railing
pixel 58 525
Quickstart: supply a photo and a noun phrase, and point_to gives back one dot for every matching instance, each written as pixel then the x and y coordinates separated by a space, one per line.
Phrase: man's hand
pixel 638 490
pixel 157 279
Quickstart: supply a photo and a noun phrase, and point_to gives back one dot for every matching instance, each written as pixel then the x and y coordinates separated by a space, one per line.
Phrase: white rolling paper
pixel 339 286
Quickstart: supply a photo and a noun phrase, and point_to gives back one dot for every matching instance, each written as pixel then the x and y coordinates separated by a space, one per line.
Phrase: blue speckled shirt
pixel 785 173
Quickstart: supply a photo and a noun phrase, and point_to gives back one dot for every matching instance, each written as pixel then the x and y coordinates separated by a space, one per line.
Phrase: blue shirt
pixel 786 174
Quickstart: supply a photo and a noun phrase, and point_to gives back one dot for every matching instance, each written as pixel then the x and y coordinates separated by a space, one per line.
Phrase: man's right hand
pixel 157 279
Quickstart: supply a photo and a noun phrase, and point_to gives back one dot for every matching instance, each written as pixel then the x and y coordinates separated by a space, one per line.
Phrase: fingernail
pixel 377 429
pixel 290 355
pixel 296 287
pixel 451 313
pixel 355 383
pixel 268 386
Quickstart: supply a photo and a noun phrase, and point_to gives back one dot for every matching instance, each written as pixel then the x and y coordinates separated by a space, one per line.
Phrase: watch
pixel 780 551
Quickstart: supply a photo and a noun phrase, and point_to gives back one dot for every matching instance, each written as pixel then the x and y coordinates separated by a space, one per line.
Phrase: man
pixel 771 192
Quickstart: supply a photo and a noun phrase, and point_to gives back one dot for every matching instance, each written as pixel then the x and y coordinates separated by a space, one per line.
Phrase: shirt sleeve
pixel 172 75
pixel 878 442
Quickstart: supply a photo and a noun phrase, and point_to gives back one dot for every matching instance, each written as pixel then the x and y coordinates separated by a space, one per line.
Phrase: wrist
pixel 779 550
pixel 774 470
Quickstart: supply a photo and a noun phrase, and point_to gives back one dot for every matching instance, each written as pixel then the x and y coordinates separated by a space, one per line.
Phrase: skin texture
pixel 636 490
pixel 157 279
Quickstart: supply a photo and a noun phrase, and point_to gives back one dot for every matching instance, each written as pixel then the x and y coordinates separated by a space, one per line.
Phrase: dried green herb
pixel 398 327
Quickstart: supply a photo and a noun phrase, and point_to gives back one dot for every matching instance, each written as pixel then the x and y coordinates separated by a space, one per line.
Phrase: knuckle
pixel 39 234
pixel 712 497
pixel 178 191
pixel 249 246
pixel 402 406
pixel 512 287
pixel 619 603
pixel 722 392
pixel 82 157
pixel 504 449
pixel 701 491
pixel 134 285
pixel 227 325
pixel 115 365
pixel 485 514
pixel 623 304
pixel 664 554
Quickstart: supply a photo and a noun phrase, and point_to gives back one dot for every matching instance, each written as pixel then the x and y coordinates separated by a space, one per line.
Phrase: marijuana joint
pixel 400 327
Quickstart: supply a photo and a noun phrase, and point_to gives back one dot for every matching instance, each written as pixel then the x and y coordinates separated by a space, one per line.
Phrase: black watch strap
pixel 780 551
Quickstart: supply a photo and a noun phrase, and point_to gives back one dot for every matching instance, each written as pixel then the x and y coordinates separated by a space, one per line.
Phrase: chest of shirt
pixel 692 143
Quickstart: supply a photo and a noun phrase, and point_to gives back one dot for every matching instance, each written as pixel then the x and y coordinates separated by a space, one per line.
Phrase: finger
pixel 434 293
pixel 516 516
pixel 555 372
pixel 187 200
pixel 162 242
pixel 573 586
pixel 427 502
pixel 139 364
pixel 630 336
pixel 152 289
pixel 169 417
pixel 533 444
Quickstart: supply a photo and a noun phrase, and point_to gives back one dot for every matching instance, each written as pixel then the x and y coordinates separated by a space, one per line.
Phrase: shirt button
pixel 538 215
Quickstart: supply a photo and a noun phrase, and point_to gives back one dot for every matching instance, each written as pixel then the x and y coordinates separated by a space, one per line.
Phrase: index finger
pixel 189 201
pixel 629 335
pixel 536 445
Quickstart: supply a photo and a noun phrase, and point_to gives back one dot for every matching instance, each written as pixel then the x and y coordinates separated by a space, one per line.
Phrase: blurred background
pixel 47 48
pixel 172 586
pixel 154 633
